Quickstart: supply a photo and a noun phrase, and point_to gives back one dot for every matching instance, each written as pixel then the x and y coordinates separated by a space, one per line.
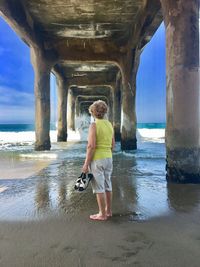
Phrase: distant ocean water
pixel 31 127
pixel 20 127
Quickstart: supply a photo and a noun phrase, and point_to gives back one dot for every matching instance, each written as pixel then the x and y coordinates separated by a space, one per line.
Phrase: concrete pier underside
pixel 93 48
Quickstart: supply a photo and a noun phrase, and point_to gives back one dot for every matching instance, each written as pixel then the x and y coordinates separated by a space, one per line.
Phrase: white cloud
pixel 16 114
pixel 18 107
pixel 10 96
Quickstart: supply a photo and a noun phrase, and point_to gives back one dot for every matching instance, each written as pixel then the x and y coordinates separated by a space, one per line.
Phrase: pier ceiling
pixel 81 29
pixel 88 73
pixel 83 19
pixel 98 90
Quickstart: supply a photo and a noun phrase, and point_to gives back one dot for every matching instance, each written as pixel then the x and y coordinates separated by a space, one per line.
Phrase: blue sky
pixel 151 80
pixel 17 80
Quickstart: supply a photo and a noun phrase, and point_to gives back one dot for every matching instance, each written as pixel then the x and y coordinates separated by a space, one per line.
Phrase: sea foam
pixel 151 135
pixel 12 140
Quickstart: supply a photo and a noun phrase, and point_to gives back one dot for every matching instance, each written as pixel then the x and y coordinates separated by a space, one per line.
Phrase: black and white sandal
pixel 83 181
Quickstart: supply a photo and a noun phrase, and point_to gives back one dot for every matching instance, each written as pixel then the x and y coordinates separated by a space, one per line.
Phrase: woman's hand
pixel 85 168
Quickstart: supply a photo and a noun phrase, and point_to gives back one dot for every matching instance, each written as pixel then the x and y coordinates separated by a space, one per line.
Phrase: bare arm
pixel 113 143
pixel 90 147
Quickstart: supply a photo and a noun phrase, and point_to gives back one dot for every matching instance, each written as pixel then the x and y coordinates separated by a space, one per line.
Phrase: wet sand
pixel 21 169
pixel 44 222
pixel 75 241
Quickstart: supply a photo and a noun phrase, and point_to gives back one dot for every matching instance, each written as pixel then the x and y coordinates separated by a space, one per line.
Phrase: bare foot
pixel 109 214
pixel 98 217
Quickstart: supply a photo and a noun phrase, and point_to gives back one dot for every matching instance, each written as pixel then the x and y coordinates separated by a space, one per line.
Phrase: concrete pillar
pixel 183 91
pixel 42 70
pixel 71 110
pixel 62 108
pixel 117 108
pixel 110 105
pixel 77 107
pixel 129 68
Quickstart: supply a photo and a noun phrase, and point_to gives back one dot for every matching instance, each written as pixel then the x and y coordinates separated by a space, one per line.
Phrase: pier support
pixel 129 68
pixel 117 108
pixel 42 70
pixel 71 110
pixel 62 108
pixel 110 105
pixel 183 91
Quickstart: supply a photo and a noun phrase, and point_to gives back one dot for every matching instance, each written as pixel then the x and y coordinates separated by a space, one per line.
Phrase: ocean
pixel 15 137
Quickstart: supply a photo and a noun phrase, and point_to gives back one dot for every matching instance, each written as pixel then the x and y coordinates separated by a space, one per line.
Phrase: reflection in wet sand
pixel 140 190
pixel 42 197
pixel 183 198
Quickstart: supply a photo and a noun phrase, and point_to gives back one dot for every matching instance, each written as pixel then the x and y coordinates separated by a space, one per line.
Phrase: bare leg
pixel 101 200
pixel 109 203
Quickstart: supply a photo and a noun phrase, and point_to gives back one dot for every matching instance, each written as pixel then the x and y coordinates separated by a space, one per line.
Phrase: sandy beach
pixel 45 222
pixel 75 241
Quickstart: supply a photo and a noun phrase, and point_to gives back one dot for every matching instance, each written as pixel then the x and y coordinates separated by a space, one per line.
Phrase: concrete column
pixel 129 68
pixel 183 91
pixel 77 107
pixel 62 108
pixel 117 109
pixel 71 110
pixel 110 105
pixel 42 99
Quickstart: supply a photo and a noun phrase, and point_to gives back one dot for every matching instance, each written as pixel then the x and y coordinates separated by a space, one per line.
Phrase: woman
pixel 99 159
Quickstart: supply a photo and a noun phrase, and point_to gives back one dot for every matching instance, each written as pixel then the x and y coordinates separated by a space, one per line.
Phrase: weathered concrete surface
pixel 117 107
pixel 183 90
pixel 71 110
pixel 42 99
pixel 62 90
pixel 129 121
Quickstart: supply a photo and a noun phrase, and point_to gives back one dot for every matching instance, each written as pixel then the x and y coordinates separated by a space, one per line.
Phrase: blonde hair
pixel 98 109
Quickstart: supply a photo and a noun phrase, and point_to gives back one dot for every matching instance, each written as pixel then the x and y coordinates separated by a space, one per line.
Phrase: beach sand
pixel 20 168
pixel 172 241
pixel 45 223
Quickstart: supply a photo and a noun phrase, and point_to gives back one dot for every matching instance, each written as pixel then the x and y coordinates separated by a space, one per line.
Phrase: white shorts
pixel 102 170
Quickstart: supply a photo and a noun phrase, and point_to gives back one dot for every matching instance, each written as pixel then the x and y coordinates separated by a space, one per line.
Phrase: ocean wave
pixel 20 140
pixel 39 156
pixel 137 155
pixel 151 135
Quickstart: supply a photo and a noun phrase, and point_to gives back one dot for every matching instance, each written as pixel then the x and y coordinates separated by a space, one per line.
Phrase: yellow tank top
pixel 104 134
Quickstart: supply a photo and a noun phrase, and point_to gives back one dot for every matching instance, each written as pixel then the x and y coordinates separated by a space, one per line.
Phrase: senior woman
pixel 99 159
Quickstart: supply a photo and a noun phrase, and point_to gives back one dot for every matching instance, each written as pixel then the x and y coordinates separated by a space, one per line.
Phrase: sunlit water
pixel 139 183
